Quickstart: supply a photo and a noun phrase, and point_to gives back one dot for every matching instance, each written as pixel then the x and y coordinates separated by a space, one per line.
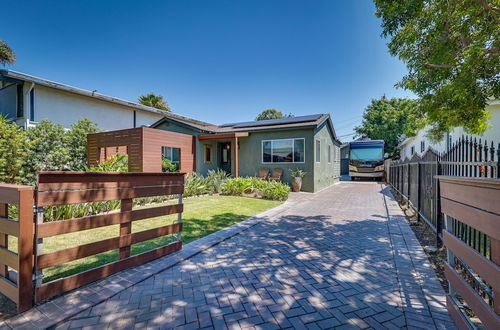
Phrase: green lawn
pixel 202 216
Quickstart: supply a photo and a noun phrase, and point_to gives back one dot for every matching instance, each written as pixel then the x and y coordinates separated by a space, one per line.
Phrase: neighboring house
pixel 242 149
pixel 28 99
pixel 419 143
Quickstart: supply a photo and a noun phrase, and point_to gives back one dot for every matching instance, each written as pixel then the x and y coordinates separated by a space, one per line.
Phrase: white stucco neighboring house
pixel 28 99
pixel 419 143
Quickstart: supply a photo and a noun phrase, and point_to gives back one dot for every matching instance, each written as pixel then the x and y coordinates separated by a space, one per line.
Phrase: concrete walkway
pixel 341 258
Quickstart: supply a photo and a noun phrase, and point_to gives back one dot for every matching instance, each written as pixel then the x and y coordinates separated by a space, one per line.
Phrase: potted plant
pixel 297 176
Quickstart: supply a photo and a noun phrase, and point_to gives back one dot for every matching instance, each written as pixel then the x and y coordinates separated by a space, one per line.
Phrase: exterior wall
pixel 250 155
pixel 491 134
pixel 8 101
pixel 67 108
pixel 326 173
pixel 143 147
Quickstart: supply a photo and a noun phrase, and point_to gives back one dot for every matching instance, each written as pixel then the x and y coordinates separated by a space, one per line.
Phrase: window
pixel 32 104
pixel 318 151
pixel 422 146
pixel 412 150
pixel 208 154
pixel 172 154
pixel 329 153
pixel 283 151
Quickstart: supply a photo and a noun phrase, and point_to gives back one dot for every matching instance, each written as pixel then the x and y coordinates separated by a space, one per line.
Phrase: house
pixel 28 99
pixel 419 143
pixel 242 149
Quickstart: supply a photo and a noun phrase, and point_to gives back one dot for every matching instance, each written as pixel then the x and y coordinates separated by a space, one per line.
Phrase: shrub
pixel 13 151
pixel 116 163
pixel 76 142
pixel 266 189
pixel 168 166
pixel 297 173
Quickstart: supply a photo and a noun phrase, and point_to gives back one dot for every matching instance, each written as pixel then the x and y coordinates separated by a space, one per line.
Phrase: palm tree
pixel 155 101
pixel 7 55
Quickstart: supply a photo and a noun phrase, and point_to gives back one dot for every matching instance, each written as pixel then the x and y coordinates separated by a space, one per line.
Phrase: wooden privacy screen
pixel 61 188
pixel 472 207
pixel 16 285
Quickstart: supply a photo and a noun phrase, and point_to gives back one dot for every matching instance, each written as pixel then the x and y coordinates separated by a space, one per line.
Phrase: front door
pixel 225 156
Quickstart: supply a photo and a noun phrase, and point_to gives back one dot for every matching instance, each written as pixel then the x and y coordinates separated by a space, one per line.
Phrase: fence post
pixel 25 249
pixel 4 239
pixel 438 206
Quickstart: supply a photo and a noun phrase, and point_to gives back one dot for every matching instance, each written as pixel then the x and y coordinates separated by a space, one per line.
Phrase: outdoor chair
pixel 263 174
pixel 276 175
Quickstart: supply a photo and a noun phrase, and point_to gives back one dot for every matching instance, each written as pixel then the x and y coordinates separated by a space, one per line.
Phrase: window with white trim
pixel 318 151
pixel 283 151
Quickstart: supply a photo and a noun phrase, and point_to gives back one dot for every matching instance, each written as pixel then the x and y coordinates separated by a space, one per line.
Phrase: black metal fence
pixel 414 179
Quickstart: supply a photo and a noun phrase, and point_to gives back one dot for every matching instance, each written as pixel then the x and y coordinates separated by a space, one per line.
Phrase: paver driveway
pixel 342 258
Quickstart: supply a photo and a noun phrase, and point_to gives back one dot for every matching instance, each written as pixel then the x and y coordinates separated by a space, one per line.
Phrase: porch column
pixel 235 156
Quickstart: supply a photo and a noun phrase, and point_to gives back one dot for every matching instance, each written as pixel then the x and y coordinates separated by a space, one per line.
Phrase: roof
pixel 311 121
pixel 48 83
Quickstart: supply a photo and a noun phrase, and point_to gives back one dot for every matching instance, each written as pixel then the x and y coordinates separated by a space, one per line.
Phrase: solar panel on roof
pixel 269 122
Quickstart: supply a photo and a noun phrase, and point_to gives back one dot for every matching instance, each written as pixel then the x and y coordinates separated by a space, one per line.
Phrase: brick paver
pixel 342 258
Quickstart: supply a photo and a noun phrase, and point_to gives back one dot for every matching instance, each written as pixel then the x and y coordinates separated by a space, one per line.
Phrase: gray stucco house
pixel 242 149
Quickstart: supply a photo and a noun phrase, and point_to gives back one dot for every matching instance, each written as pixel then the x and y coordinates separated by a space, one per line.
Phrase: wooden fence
pixel 16 268
pixel 415 181
pixel 63 188
pixel 471 206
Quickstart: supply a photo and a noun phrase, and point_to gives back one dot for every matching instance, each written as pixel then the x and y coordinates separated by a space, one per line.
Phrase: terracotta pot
pixel 296 184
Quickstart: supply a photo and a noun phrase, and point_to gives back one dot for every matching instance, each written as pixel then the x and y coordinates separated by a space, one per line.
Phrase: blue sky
pixel 218 61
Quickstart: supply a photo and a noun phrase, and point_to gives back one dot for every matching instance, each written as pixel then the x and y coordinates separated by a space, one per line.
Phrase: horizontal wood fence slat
pixel 53 198
pixel 469 216
pixel 53 228
pixel 62 256
pixel 9 289
pixel 9 227
pixel 55 181
pixel 482 266
pixel 457 316
pixel 9 258
pixel 59 286
pixel 474 301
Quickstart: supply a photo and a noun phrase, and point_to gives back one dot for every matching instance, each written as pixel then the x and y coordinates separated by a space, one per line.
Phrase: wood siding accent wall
pixel 143 146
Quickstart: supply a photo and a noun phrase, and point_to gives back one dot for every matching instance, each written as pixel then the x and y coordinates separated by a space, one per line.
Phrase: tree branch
pixel 439 66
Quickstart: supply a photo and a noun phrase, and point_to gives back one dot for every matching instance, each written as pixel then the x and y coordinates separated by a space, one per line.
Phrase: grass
pixel 202 216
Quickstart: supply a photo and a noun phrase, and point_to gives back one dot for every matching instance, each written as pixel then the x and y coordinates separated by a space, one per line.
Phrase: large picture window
pixel 283 151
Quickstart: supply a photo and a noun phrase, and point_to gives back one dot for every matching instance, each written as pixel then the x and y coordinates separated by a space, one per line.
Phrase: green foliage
pixel 297 173
pixel 168 166
pixel 272 114
pixel 7 55
pixel 452 51
pixel 76 142
pixel 388 119
pixel 13 151
pixel 47 152
pixel 216 179
pixel 117 163
pixel 273 190
pixel 155 101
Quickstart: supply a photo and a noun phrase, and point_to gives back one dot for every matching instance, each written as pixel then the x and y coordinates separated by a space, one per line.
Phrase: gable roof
pixel 309 121
pixel 71 89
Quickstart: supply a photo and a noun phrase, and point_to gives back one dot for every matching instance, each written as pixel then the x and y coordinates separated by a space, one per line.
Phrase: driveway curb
pixel 60 309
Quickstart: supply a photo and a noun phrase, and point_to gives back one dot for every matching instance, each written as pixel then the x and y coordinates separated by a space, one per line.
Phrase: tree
pixel 452 51
pixel 272 114
pixel 7 55
pixel 388 120
pixel 155 101
pixel 47 152
pixel 13 150
pixel 75 141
